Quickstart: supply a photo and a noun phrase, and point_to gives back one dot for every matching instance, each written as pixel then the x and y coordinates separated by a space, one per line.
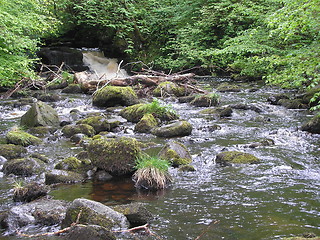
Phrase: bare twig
pixel 207 229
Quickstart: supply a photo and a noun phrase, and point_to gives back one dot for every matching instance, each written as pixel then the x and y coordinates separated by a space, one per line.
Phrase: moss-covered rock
pixel 94 213
pixel 62 176
pixel 175 129
pixel 206 100
pixel 116 156
pixel 42 131
pixel 30 192
pixel 92 232
pixel 230 157
pixel 100 123
pixel 40 114
pixel 110 96
pixel 227 87
pixel 10 151
pixel 133 113
pixel 23 166
pixel 187 168
pixel 146 123
pixel 72 88
pixel 48 97
pixel 244 106
pixel 70 130
pixel 292 103
pixel 219 112
pixel 74 164
pixel 169 88
pixel 19 137
pixel 186 99
pixel 176 153
pixel 274 99
pixel 312 126
pixel 136 213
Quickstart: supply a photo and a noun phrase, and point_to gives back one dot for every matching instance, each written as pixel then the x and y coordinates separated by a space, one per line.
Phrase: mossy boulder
pixel 206 100
pixel 116 156
pixel 136 213
pixel 292 103
pixel 94 213
pixel 62 176
pixel 100 123
pixel 219 112
pixel 70 130
pixel 19 137
pixel 274 99
pixel 40 114
pixel 74 164
pixel 110 96
pixel 11 151
pixel 186 168
pixel 235 157
pixel 133 113
pixel 48 97
pixel 42 131
pixel 175 129
pixel 312 126
pixel 30 192
pixel 23 166
pixel 227 87
pixel 169 88
pixel 243 106
pixel 146 123
pixel 176 153
pixel 92 232
pixel 72 88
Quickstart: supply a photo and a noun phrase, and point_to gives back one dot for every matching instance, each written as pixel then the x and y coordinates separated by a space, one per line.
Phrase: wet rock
pixel 11 151
pixel 94 213
pixel 176 153
pixel 46 212
pixel 70 130
pixel 48 97
pixel 72 88
pixel 312 126
pixel 169 88
pixel 100 123
pixel 210 128
pixel 292 103
pixel 116 156
pixel 227 87
pixel 274 99
pixel 78 137
pixel 42 131
pixel 41 157
pixel 19 137
pixel 40 114
pixel 186 99
pixel 219 112
pixel 62 176
pixel 89 232
pixel 102 175
pixel 207 100
pixel 244 106
pixel 30 192
pixel 230 157
pixel 136 213
pixel 74 164
pixel 176 129
pixel 262 143
pixel 187 168
pixel 146 123
pixel 110 96
pixel 23 167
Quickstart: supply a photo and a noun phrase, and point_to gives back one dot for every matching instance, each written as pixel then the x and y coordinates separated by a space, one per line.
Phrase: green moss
pixel 70 130
pixel 206 100
pixel 41 131
pixel 10 151
pixel 70 163
pixel 175 159
pixel 133 113
pixel 168 88
pixel 229 157
pixel 22 138
pixel 187 168
pixel 99 123
pixel 227 87
pixel 175 129
pixel 146 123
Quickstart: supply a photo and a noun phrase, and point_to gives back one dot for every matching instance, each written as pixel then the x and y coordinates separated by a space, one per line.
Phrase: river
pixel 279 197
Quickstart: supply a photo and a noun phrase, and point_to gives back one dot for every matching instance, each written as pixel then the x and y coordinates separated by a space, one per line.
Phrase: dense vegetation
pixel 276 40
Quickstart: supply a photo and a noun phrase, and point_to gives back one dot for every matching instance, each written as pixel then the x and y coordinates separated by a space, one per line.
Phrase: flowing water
pixel 276 198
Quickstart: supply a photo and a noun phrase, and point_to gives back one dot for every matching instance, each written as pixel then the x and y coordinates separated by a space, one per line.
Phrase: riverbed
pixel 279 197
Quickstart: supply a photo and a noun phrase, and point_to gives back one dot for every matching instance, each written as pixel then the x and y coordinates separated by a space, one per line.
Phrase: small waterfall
pixel 104 68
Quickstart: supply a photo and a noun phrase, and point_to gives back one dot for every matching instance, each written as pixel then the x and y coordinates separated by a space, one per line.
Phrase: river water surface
pixel 279 197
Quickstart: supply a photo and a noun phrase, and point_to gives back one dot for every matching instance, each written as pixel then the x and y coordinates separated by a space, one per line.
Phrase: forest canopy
pixel 274 40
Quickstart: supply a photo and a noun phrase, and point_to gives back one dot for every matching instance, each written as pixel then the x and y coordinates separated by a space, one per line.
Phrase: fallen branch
pixel 143 227
pixel 207 229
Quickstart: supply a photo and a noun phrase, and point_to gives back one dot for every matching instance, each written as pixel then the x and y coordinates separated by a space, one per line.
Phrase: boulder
pixel 74 164
pixel 62 176
pixel 176 129
pixel 11 151
pixel 116 156
pixel 169 88
pixel 110 96
pixel 72 88
pixel 146 123
pixel 90 232
pixel 19 137
pixel 219 112
pixel 136 213
pixel 187 168
pixel 244 106
pixel 227 87
pixel 274 99
pixel 40 114
pixel 230 157
pixel 312 126
pixel 30 192
pixel 49 97
pixel 23 167
pixel 94 213
pixel 70 130
pixel 101 123
pixel 186 99
pixel 176 153
pixel 206 100
pixel 45 212
pixel 292 103
pixel 42 131
pixel 133 113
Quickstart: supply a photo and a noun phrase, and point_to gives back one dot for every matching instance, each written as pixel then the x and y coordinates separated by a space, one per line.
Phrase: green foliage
pixel 146 161
pixel 158 107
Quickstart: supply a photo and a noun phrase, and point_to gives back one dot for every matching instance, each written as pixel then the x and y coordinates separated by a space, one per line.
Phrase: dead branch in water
pixel 207 229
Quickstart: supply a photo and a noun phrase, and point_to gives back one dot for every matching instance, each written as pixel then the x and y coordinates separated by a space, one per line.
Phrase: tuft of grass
pixel 152 173
pixel 158 107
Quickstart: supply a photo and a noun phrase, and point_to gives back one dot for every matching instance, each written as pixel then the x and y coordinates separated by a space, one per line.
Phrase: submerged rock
pixel 62 176
pixel 175 129
pixel 40 114
pixel 176 153
pixel 22 138
pixel 146 123
pixel 11 151
pixel 23 167
pixel 230 157
pixel 94 213
pixel 116 156
pixel 312 126
pixel 110 96
pixel 219 112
